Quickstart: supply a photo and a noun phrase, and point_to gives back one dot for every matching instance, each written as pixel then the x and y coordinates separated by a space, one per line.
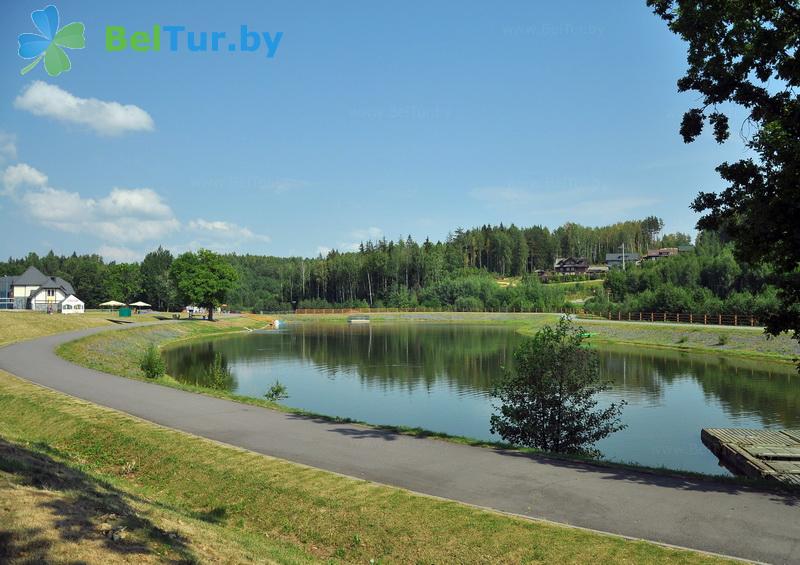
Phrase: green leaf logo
pixel 50 42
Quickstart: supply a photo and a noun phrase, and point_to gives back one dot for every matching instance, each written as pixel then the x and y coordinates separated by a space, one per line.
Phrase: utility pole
pixel 623 255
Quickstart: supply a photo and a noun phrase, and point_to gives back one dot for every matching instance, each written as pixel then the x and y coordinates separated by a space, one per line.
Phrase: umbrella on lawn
pixel 140 304
pixel 112 304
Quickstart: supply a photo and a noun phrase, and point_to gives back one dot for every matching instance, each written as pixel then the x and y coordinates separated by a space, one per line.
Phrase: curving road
pixel 704 515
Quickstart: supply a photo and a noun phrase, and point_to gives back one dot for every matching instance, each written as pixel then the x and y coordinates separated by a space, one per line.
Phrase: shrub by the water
pixel 549 401
pixel 277 392
pixel 218 374
pixel 151 363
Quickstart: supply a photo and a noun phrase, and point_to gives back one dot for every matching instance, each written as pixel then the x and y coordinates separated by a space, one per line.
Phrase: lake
pixel 438 377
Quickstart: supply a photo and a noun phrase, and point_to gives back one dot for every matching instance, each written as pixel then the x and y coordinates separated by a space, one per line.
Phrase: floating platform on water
pixel 358 320
pixel 763 454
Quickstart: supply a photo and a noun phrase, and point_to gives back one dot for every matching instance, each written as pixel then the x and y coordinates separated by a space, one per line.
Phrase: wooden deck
pixel 765 454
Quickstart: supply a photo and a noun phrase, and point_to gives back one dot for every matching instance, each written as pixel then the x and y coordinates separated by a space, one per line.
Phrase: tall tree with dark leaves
pixel 203 278
pixel 159 289
pixel 748 53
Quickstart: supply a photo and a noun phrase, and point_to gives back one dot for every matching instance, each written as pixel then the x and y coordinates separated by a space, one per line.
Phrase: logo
pixel 51 43
pixel 178 38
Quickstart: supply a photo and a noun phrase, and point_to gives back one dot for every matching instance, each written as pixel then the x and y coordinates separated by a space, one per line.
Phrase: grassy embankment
pixel 82 483
pixel 19 325
pixel 718 340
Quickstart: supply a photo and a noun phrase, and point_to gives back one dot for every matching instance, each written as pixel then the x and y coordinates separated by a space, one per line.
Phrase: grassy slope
pixel 20 325
pixel 80 470
pixel 747 342
pixel 575 290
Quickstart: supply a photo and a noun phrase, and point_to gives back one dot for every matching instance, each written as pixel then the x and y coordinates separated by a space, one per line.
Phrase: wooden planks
pixel 765 454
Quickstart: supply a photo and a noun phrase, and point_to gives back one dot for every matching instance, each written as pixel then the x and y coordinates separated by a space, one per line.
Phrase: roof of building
pixel 31 277
pixel 629 256
pixel 34 277
pixel 561 261
pixel 663 252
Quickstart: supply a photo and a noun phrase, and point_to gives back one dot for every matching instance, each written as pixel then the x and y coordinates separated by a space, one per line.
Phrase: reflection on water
pixel 439 377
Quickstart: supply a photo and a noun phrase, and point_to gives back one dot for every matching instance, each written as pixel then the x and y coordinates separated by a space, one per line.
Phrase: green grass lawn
pixel 719 340
pixel 72 474
pixel 20 325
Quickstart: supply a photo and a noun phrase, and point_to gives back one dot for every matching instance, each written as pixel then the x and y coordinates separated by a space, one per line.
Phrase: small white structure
pixel 72 305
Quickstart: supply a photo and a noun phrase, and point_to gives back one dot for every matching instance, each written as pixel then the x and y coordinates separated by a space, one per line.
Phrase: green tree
pixel 123 281
pixel 746 53
pixel 549 402
pixel 519 251
pixel 203 278
pixel 158 289
pixel 651 226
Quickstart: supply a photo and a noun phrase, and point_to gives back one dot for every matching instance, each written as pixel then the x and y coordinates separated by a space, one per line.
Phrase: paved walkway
pixel 703 515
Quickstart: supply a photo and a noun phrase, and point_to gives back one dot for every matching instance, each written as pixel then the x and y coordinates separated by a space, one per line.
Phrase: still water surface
pixel 438 377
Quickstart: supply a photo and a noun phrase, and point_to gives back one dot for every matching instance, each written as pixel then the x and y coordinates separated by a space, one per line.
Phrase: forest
pixel 707 281
pixel 460 273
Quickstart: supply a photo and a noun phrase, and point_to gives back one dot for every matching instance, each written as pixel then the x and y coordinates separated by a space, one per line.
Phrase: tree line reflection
pixel 469 359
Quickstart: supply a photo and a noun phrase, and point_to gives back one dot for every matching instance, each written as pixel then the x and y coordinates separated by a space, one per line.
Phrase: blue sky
pixel 369 120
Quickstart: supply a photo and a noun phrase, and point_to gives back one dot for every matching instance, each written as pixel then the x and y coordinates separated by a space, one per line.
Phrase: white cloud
pixel 70 212
pixel 56 207
pixel 322 250
pixel 138 201
pixel 119 254
pixel 228 231
pixel 134 229
pixel 106 118
pixel 8 147
pixel 123 215
pixel 20 175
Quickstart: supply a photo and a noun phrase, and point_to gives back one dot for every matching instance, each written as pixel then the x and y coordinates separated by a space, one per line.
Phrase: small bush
pixel 218 374
pixel 550 399
pixel 723 339
pixel 683 339
pixel 277 392
pixel 151 364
